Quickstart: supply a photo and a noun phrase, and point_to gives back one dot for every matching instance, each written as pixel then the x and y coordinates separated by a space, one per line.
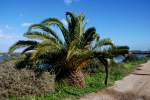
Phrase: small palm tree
pixel 66 56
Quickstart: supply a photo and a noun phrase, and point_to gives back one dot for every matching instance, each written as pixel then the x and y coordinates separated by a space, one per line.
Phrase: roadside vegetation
pixel 81 62
pixel 94 82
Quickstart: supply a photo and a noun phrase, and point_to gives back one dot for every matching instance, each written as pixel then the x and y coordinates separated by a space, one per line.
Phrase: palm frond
pixel 28 49
pixel 71 49
pixel 24 61
pixel 54 21
pixel 117 50
pixel 72 17
pixel 21 44
pixel 84 64
pixel 81 17
pixel 49 54
pixel 82 57
pixel 103 42
pixel 83 23
pixel 45 29
pixel 123 47
pixel 88 36
pixel 77 56
pixel 37 35
pixel 73 25
pixel 104 54
pixel 76 24
pixel 51 43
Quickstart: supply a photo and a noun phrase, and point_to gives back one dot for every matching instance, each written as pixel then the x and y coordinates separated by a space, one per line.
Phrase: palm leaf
pixel 49 54
pixel 120 50
pixel 81 18
pixel 37 35
pixel 54 21
pixel 28 49
pixel 50 43
pixel 45 29
pixel 24 61
pixel 21 44
pixel 73 25
pixel 103 42
pixel 122 47
pixel 88 36
pixel 82 57
pixel 72 17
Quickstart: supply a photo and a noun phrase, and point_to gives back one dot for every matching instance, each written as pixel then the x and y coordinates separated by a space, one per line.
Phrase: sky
pixel 126 22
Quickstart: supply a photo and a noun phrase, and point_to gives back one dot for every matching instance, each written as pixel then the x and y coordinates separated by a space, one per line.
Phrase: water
pixel 2 58
pixel 119 59
pixel 140 56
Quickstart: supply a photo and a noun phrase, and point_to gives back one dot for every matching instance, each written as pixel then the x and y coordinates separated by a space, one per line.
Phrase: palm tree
pixel 67 56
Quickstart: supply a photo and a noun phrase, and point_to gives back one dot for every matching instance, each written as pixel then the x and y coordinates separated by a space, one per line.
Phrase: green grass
pixel 94 82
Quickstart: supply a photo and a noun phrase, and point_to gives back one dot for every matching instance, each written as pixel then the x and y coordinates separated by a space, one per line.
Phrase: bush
pixel 17 83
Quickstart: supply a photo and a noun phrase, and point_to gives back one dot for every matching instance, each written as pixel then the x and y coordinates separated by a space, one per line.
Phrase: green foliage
pixel 93 83
pixel 80 45
pixel 21 44
pixel 121 50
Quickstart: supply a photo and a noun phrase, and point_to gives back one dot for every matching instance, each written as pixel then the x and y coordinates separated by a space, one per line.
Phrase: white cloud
pixel 26 24
pixel 70 1
pixel 64 22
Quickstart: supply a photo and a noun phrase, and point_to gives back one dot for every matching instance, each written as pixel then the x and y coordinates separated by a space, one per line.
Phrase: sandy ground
pixel 135 86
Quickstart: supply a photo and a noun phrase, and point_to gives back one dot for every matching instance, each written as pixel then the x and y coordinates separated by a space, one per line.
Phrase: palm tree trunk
pixel 75 78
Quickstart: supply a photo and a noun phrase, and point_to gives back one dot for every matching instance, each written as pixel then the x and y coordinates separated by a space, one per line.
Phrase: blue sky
pixel 126 22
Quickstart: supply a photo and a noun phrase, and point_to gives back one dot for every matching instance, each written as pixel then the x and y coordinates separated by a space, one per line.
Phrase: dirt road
pixel 135 86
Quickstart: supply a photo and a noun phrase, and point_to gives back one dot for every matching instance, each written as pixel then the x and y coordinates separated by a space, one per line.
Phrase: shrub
pixel 17 83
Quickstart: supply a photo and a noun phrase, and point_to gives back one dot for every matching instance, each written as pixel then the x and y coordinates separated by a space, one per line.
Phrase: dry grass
pixel 17 83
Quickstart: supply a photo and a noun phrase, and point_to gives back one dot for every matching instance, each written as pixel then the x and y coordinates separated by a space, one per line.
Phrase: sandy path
pixel 135 86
